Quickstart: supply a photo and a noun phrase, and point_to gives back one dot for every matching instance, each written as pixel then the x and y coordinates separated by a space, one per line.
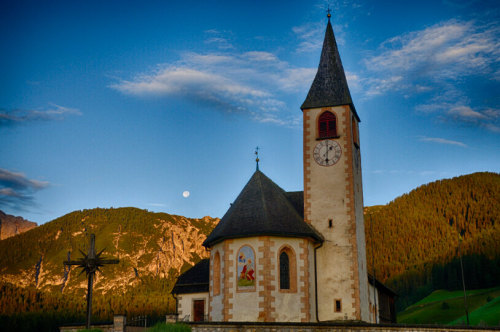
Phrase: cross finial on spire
pixel 257 157
pixel 328 11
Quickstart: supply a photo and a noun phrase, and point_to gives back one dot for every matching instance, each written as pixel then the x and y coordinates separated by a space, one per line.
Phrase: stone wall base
pixel 119 325
pixel 327 327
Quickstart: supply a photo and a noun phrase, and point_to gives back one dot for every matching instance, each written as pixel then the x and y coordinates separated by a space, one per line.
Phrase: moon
pixel 185 194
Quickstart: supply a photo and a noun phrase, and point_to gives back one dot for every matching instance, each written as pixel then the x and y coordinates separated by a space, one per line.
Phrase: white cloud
pixel 492 127
pixel 187 81
pixel 438 63
pixel 442 141
pixel 54 112
pixel 310 37
pixel 378 86
pixel 16 190
pixel 252 82
pixel 219 39
pixel 207 59
pixel 446 50
pixel 260 56
pixel 466 112
pixel 295 79
pixel 461 111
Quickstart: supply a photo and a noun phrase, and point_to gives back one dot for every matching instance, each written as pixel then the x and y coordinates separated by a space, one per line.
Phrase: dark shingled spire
pixel 329 87
pixel 262 208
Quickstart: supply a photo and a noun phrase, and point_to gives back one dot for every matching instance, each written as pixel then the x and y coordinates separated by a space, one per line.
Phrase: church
pixel 279 256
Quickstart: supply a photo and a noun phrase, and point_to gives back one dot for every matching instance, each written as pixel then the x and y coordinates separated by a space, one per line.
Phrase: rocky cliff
pixel 11 225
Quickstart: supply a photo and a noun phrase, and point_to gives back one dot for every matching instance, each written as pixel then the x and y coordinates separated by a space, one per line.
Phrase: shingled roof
pixel 329 87
pixel 194 280
pixel 263 208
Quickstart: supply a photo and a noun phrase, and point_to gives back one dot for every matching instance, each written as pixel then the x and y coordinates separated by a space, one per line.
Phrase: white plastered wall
pixel 185 304
pixel 216 301
pixel 360 229
pixel 247 304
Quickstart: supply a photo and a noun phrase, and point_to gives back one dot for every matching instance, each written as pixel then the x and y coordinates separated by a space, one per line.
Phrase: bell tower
pixel 333 194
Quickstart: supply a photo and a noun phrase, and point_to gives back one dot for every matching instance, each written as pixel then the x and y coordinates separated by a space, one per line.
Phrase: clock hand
pixel 326 150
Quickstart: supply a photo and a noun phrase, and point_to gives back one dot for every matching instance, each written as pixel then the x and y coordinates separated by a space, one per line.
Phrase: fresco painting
pixel 246 268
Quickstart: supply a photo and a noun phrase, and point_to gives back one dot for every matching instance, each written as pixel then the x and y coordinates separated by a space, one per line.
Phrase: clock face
pixel 327 152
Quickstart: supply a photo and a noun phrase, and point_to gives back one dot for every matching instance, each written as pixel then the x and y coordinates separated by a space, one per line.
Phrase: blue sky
pixel 121 103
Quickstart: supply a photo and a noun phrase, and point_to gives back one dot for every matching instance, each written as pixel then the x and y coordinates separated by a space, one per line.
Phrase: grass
pixel 245 282
pixel 442 295
pixel 488 314
pixel 164 327
pixel 444 307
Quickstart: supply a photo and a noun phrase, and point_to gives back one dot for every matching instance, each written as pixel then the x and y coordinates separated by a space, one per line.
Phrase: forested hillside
pixel 153 249
pixel 418 234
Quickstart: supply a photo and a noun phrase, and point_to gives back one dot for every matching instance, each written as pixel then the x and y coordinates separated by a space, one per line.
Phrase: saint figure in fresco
pixel 249 270
pixel 246 269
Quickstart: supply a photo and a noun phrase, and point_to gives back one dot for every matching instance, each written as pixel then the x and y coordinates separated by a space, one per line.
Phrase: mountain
pixel 153 249
pixel 414 241
pixel 11 225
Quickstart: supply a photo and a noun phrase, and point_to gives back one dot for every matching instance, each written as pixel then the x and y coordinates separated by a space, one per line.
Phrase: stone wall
pixel 327 327
pixel 76 328
pixel 118 325
pixel 185 305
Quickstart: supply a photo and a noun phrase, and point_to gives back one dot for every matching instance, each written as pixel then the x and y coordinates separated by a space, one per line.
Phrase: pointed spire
pixel 329 87
pixel 257 157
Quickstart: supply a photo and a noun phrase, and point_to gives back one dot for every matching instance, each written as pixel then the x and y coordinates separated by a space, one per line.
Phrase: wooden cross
pixel 90 263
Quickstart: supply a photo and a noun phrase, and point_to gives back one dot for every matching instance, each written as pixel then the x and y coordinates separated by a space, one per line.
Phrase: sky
pixel 160 104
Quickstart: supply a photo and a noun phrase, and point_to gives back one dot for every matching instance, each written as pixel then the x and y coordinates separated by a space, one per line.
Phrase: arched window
pixel 327 125
pixel 287 270
pixel 284 271
pixel 216 274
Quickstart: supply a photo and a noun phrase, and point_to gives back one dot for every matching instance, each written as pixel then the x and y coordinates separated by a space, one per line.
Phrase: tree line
pixel 414 241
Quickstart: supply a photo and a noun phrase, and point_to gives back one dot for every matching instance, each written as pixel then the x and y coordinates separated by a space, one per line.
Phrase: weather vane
pixel 90 264
pixel 257 157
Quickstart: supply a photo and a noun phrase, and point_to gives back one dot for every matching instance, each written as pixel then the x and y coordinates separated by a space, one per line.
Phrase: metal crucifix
pixel 90 263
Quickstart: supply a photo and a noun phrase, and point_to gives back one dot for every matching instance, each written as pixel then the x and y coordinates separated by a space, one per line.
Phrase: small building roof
pixel 194 280
pixel 380 286
pixel 263 208
pixel 329 87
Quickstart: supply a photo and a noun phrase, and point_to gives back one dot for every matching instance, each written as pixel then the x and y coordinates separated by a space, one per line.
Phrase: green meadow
pixel 447 307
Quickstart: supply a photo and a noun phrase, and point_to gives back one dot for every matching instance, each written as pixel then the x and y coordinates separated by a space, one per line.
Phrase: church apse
pixel 256 293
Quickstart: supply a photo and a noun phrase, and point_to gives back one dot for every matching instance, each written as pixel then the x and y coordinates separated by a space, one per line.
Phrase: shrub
pixel 164 327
